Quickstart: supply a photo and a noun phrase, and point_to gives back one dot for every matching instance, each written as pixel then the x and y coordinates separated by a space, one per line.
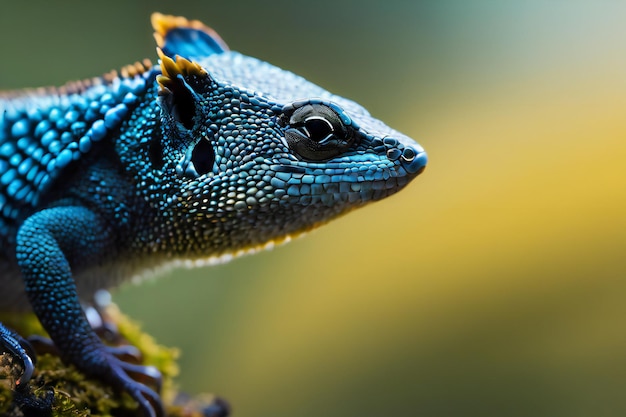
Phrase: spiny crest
pixel 128 71
pixel 80 86
pixel 170 69
pixel 132 70
pixel 164 24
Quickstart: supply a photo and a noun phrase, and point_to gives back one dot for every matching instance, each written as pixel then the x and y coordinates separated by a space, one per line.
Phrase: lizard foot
pixel 147 375
pixel 125 359
pixel 19 349
pixel 132 379
pixel 126 373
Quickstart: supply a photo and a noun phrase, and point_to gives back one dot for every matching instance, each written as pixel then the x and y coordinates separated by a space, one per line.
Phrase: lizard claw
pixel 149 400
pixel 19 348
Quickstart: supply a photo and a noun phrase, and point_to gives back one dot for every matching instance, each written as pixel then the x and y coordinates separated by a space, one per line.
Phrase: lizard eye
pixel 317 128
pixel 315 132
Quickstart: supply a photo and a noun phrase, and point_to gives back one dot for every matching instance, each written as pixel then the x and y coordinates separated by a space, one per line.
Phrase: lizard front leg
pixel 49 244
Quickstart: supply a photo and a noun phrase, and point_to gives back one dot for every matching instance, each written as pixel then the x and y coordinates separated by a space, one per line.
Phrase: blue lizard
pixel 207 155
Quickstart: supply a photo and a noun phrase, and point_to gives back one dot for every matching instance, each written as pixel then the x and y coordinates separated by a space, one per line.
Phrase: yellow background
pixel 494 285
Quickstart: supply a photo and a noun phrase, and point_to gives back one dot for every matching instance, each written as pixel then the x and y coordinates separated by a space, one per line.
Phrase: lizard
pixel 206 155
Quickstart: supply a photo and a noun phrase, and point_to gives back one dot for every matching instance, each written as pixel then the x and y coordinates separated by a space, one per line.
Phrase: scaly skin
pixel 211 153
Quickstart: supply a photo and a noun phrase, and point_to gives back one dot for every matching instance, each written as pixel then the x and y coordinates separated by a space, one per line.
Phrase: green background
pixel 494 285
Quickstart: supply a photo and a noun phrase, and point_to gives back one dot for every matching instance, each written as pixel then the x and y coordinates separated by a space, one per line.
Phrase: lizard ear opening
pixel 181 81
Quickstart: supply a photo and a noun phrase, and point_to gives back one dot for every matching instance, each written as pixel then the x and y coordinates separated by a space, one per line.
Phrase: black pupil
pixel 318 128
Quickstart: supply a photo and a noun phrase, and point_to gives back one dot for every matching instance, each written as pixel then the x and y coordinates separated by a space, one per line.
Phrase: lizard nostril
pixel 413 161
pixel 408 154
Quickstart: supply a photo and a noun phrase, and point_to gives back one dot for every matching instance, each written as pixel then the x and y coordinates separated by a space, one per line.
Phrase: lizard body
pixel 208 154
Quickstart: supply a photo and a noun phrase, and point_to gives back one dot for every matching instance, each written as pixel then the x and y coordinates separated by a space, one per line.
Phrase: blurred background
pixel 494 285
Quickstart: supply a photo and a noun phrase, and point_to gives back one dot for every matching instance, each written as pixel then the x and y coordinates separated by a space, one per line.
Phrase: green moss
pixel 76 395
pixel 6 395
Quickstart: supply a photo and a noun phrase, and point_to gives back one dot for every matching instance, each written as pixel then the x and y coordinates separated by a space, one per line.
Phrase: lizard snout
pixel 410 155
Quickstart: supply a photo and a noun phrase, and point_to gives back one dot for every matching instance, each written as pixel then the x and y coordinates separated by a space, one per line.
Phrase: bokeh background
pixel 494 285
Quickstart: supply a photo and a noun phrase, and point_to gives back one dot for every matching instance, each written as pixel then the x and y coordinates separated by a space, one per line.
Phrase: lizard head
pixel 260 153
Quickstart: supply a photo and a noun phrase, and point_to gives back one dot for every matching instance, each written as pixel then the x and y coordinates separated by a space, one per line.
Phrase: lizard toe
pixel 130 378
